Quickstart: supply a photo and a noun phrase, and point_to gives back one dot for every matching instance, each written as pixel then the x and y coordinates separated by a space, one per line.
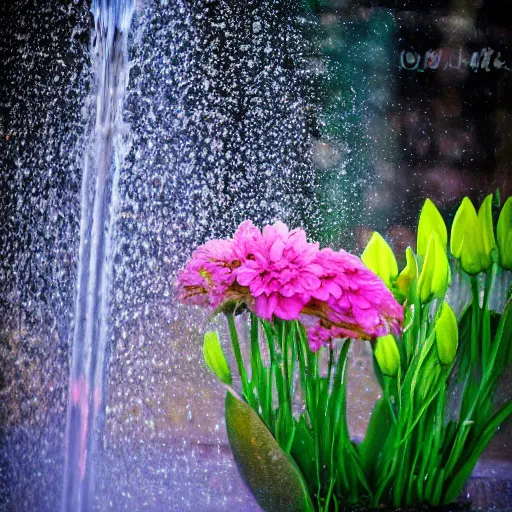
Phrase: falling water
pixel 103 159
pixel 219 119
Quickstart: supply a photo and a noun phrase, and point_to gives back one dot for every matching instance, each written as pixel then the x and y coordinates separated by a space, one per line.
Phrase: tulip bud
pixel 472 237
pixel 463 240
pixel 387 355
pixel 408 274
pixel 379 258
pixel 430 222
pixel 435 272
pixel 487 232
pixel 504 235
pixel 214 358
pixel 447 334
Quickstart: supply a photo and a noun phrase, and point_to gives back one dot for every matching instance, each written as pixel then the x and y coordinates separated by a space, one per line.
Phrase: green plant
pixel 433 442
pixel 421 444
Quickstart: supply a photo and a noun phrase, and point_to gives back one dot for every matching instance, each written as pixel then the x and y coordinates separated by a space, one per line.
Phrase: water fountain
pixel 103 160
pixel 130 206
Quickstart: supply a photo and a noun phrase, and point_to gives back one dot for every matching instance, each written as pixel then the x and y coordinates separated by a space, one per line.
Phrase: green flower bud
pixel 447 334
pixel 472 238
pixel 379 258
pixel 408 274
pixel 387 355
pixel 504 235
pixel 435 272
pixel 487 232
pixel 463 240
pixel 214 358
pixel 430 222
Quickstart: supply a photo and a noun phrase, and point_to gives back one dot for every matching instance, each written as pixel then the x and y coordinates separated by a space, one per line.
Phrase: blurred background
pixel 340 116
pixel 414 105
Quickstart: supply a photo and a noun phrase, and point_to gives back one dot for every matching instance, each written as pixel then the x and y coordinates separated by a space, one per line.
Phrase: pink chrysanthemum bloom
pixel 207 277
pixel 245 239
pixel 278 266
pixel 276 272
pixel 351 301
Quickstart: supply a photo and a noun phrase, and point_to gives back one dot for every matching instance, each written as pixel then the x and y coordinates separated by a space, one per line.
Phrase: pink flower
pixel 208 275
pixel 244 240
pixel 318 336
pixel 351 302
pixel 278 266
pixel 276 272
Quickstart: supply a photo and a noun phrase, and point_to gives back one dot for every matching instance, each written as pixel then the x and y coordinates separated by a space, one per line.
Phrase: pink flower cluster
pixel 276 272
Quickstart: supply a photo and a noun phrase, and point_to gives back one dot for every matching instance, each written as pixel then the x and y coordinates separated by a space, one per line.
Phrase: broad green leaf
pixel 303 451
pixel 438 489
pixel 337 400
pixel 379 428
pixel 256 363
pixel 459 479
pixel 501 348
pixel 273 477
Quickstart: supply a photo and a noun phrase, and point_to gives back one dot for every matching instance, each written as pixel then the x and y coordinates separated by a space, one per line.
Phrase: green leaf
pixel 214 358
pixel 273 477
pixel 497 198
pixel 459 479
pixel 303 450
pixel 380 427
pixel 501 349
pixel 438 489
pixel 256 363
pixel 378 372
pixel 337 400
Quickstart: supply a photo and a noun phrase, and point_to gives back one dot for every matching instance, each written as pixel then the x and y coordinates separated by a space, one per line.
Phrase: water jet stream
pixel 104 156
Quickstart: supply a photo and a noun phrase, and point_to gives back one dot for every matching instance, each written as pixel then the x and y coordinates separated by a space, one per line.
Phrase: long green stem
pixel 486 320
pixel 405 472
pixel 285 353
pixel 475 320
pixel 255 351
pixel 413 334
pixel 235 342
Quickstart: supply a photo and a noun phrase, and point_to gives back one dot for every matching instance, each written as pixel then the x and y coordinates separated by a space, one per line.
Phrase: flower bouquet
pixel 287 425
